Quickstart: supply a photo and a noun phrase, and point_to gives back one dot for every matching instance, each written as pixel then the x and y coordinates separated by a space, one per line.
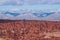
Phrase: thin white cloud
pixel 11 2
pixel 29 2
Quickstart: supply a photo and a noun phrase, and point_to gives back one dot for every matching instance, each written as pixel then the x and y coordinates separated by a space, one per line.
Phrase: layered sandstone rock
pixel 29 30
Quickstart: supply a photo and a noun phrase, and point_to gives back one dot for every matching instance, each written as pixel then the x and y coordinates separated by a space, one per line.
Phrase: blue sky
pixel 42 7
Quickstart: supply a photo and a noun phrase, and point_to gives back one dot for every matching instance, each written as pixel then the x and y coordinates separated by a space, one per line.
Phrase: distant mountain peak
pixel 12 13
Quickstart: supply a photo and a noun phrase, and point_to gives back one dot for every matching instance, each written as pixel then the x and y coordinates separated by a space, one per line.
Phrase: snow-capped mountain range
pixel 31 15
pixel 28 12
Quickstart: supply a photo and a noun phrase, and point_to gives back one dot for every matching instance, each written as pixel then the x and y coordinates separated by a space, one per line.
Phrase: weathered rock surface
pixel 29 30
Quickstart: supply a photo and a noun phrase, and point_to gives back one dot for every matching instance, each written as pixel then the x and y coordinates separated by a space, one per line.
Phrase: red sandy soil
pixel 29 30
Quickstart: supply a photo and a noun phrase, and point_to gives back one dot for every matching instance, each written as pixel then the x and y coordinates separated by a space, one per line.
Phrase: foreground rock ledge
pixel 29 30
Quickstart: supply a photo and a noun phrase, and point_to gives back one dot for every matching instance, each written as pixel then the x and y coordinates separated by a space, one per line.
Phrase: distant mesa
pixel 12 13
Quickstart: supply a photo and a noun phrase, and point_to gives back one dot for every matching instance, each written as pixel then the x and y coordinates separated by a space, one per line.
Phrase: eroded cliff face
pixel 29 30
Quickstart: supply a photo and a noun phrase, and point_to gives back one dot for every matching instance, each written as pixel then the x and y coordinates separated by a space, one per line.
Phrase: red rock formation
pixel 30 30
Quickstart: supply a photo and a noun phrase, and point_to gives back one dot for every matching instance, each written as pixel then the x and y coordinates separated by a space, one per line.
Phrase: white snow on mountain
pixel 55 16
